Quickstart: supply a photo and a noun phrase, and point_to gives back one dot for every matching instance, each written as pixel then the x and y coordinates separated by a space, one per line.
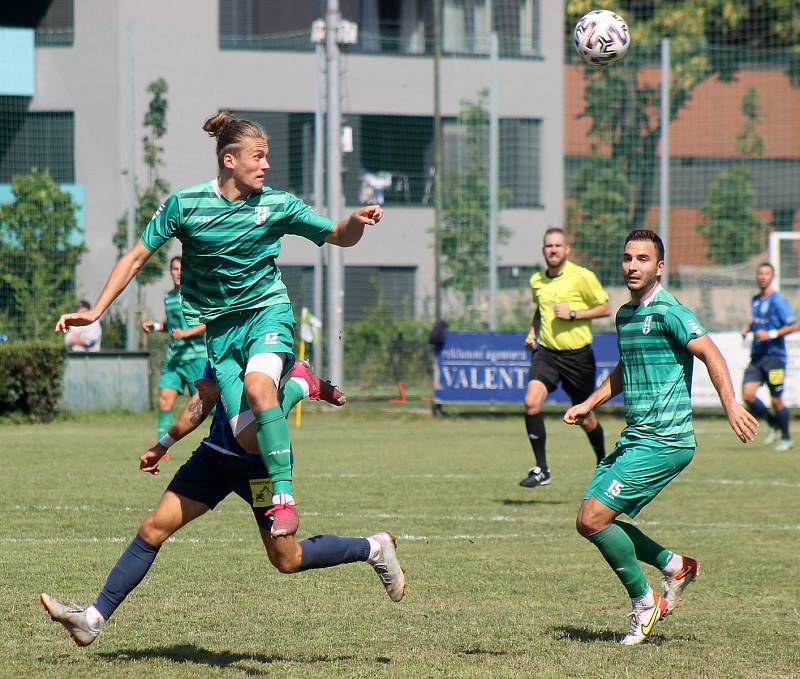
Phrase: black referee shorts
pixel 574 368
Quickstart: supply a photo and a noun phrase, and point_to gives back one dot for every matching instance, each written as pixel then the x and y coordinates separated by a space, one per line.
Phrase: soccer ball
pixel 601 37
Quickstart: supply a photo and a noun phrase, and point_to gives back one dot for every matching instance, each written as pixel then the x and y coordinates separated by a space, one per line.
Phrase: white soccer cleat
pixel 387 566
pixel 73 618
pixel 643 620
pixel 784 444
pixel 675 585
pixel 772 436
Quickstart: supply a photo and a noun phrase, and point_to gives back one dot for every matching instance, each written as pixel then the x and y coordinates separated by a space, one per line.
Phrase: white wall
pixel 177 41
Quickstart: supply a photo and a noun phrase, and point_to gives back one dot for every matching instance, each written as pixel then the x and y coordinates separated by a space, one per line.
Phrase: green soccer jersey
pixel 657 368
pixel 187 349
pixel 229 248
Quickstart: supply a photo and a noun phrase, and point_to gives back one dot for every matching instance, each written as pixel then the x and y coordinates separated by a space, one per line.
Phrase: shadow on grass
pixel 513 502
pixel 189 653
pixel 588 636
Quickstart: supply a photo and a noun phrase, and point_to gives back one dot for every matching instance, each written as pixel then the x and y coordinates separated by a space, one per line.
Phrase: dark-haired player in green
pixel 186 353
pixel 231 229
pixel 658 339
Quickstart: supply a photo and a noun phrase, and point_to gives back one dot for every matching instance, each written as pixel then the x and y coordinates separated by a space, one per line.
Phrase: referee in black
pixel 566 298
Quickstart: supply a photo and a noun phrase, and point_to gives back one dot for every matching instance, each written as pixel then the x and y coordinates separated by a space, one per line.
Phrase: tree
pixel 602 216
pixel 40 246
pixel 156 189
pixel 465 214
pixel 623 107
pixel 734 232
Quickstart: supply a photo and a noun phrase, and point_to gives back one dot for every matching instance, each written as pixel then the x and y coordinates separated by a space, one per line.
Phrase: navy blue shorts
pixel 209 476
pixel 769 370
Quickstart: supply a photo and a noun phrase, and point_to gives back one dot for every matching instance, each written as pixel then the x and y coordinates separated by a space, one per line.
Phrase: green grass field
pixel 500 584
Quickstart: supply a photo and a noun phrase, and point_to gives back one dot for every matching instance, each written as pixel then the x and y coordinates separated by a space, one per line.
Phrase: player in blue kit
pixel 773 319
pixel 222 465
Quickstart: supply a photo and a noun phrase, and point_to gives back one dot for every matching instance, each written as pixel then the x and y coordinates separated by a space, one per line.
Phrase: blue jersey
pixel 770 313
pixel 221 437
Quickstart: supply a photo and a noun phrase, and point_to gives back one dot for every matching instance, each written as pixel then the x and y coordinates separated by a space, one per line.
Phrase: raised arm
pixel 123 272
pixel 743 423
pixel 347 232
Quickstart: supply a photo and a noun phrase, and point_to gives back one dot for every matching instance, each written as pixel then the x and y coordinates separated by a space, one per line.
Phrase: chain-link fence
pixel 563 145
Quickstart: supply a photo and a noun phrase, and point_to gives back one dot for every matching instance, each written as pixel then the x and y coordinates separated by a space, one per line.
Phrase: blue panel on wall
pixel 16 62
pixel 75 190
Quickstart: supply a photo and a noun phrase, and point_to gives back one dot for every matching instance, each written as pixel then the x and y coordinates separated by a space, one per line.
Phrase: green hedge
pixel 31 378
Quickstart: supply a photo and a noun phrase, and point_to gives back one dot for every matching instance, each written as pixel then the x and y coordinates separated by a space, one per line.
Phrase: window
pixel 519 158
pixel 468 24
pixel 57 27
pixel 385 26
pixel 367 288
pixel 291 150
pixel 35 139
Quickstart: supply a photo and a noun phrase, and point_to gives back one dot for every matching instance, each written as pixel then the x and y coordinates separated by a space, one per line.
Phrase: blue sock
pixel 324 551
pixel 128 572
pixel 783 422
pixel 758 409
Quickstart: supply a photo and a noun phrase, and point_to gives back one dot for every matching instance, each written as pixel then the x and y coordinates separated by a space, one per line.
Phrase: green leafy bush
pixel 31 378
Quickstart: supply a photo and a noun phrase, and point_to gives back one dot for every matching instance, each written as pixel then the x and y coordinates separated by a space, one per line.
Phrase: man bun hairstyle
pixel 648 235
pixel 231 132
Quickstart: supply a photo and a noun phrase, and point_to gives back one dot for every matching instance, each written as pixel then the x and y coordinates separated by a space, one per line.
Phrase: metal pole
pixel 334 162
pixel 663 222
pixel 437 157
pixel 494 138
pixel 319 189
pixel 131 294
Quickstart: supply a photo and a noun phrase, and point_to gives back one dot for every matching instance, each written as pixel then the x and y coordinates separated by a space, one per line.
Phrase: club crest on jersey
pixel 646 325
pixel 262 212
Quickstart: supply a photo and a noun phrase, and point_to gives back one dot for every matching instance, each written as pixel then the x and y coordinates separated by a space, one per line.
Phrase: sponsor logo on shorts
pixel 271 338
pixel 775 376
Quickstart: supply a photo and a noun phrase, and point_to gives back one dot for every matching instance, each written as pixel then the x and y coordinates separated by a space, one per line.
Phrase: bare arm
pixel 598 311
pixel 195 330
pixel 764 335
pixel 743 423
pixel 536 321
pixel 123 272
pixel 347 232
pixel 193 415
pixel 609 389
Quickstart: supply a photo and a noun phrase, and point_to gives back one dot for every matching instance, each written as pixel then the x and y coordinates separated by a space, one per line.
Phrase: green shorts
pixel 180 375
pixel 234 338
pixel 635 472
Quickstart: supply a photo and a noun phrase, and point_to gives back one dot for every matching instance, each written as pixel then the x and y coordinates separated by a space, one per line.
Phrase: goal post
pixel 776 239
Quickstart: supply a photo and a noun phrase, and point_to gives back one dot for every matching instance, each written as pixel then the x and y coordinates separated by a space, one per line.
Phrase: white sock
pixel 673 566
pixel 303 385
pixel 647 600
pixel 94 618
pixel 283 499
pixel 374 550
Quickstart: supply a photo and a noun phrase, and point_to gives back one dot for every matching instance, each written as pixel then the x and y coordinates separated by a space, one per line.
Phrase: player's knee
pixel 165 402
pixel 532 407
pixel 152 531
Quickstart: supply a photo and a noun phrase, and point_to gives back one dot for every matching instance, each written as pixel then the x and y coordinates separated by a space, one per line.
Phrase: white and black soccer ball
pixel 601 37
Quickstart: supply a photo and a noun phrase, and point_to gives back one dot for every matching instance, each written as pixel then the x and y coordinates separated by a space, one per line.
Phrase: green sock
pixel 647 549
pixel 618 550
pixel 274 446
pixel 290 395
pixel 164 422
